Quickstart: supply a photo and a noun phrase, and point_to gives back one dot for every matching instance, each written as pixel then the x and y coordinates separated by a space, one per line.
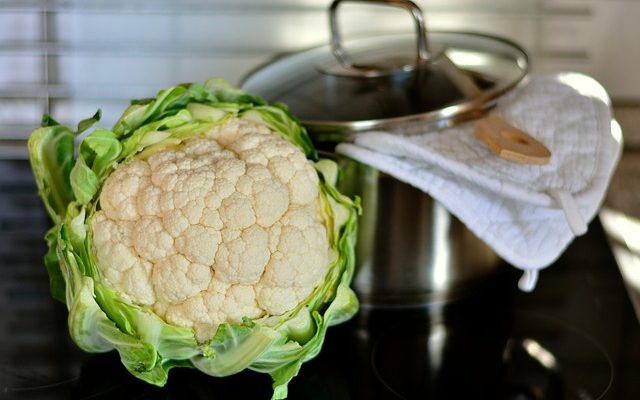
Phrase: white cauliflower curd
pixel 219 228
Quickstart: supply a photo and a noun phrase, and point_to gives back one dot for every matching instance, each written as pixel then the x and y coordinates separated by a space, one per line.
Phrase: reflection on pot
pixel 411 251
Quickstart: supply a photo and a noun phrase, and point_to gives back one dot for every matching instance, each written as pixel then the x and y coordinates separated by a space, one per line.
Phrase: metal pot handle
pixel 422 52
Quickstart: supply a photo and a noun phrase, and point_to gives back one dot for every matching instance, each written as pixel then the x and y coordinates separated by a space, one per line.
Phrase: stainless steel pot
pixel 411 251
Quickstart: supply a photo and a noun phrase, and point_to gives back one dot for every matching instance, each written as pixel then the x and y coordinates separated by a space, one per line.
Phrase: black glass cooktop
pixel 575 337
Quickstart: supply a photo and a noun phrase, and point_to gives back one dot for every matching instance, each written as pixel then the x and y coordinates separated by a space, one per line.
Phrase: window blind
pixel 68 58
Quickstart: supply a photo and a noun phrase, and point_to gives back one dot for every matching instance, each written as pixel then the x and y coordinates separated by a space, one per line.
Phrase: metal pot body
pixel 411 251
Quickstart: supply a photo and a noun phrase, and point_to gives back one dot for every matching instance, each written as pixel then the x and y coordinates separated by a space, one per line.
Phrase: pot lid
pixel 385 82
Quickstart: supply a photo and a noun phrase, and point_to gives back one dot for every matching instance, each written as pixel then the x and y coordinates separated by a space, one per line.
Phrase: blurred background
pixel 68 57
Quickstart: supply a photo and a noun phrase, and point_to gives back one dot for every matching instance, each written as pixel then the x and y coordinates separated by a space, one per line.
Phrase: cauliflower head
pixel 224 226
pixel 201 231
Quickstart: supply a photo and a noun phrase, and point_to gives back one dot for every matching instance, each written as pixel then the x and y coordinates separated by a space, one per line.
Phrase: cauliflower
pixel 202 231
pixel 225 226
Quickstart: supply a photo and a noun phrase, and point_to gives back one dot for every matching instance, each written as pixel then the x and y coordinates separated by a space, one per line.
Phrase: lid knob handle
pixel 422 53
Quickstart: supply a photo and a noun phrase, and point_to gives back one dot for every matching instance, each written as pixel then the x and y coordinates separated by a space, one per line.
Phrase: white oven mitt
pixel 527 213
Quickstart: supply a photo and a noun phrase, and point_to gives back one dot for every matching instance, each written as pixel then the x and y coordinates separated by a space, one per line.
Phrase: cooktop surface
pixel 575 337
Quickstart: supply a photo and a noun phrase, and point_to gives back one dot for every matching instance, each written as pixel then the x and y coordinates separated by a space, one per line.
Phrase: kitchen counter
pixel 574 337
pixel 620 214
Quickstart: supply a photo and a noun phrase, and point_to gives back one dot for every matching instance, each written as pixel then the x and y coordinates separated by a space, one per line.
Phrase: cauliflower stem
pixel 201 231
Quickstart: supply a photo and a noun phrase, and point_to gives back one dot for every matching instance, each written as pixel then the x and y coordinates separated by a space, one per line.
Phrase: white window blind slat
pixel 20 26
pixel 17 69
